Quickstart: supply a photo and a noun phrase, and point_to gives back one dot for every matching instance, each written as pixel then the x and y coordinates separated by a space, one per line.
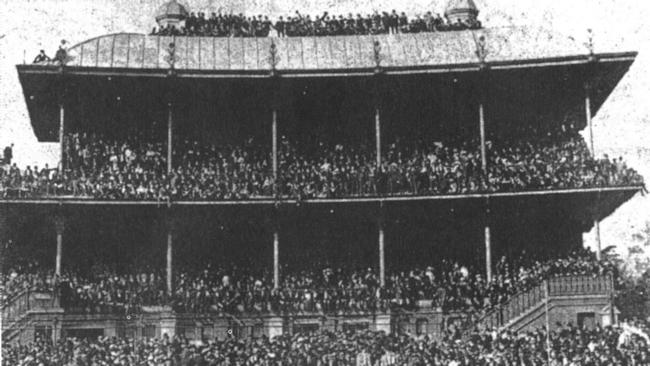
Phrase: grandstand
pixel 232 186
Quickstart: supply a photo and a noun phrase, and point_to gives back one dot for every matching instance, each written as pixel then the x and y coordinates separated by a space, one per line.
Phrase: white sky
pixel 622 126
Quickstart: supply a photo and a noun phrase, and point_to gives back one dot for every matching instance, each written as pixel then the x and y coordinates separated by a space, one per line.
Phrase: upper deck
pixel 578 206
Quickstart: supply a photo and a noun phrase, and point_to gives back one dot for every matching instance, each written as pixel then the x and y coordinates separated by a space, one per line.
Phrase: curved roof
pixel 138 51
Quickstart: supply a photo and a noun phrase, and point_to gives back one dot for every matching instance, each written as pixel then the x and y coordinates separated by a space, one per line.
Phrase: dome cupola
pixel 463 10
pixel 171 13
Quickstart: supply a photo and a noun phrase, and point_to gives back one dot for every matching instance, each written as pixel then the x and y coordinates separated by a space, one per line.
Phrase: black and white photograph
pixel 324 183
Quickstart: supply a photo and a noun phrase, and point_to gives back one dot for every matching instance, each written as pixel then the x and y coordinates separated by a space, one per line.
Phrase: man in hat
pixel 8 154
pixel 62 53
pixel 41 57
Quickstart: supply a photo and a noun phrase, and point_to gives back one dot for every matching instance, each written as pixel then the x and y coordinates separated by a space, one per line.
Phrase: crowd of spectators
pixel 446 286
pixel 565 345
pixel 25 276
pixel 299 25
pixel 135 168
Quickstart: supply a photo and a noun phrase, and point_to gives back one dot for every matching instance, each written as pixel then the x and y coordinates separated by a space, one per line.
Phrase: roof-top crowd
pixel 299 25
pixel 566 345
pixel 136 169
pixel 450 286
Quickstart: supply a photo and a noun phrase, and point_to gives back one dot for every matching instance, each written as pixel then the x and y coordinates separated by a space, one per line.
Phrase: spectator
pixel 135 168
pixel 61 55
pixel 41 58
pixel 8 154
pixel 568 345
pixel 450 285
pixel 299 25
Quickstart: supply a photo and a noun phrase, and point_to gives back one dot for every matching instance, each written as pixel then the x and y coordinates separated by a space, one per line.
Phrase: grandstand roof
pixel 531 69
pixel 439 50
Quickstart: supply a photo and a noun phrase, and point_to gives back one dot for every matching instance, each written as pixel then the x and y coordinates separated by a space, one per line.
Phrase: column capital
pixel 377 56
pixel 274 59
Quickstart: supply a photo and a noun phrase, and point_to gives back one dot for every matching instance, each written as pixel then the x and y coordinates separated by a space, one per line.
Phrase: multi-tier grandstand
pixel 343 190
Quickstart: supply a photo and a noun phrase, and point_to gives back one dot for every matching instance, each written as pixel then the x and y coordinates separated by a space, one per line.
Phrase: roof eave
pixel 628 56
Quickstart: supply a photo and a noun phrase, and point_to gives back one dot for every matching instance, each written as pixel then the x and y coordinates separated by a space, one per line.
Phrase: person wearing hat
pixel 61 55
pixel 41 57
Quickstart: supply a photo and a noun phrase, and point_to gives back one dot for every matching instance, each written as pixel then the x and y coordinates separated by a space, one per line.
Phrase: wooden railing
pixel 15 309
pixel 559 286
pixel 580 285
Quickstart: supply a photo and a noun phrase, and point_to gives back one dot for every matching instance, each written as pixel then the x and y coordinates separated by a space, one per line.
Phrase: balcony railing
pixel 560 286
pixel 15 308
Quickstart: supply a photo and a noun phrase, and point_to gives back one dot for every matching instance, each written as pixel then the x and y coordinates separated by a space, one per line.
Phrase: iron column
pixel 274 136
pixel 170 123
pixel 61 138
pixel 59 225
pixel 378 136
pixel 382 257
pixel 276 258
pixel 170 247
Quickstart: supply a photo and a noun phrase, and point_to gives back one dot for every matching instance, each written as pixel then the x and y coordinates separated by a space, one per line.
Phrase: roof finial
pixel 590 44
pixel 481 50
pixel 377 55
pixel 273 58
pixel 171 57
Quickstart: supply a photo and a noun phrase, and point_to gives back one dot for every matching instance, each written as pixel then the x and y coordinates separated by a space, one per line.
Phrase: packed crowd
pixel 449 286
pixel 26 276
pixel 136 169
pixel 566 345
pixel 298 25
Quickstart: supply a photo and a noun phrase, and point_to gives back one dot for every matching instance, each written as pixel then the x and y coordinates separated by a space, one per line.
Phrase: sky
pixel 621 127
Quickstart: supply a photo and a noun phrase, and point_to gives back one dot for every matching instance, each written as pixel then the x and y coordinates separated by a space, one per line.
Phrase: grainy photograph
pixel 324 183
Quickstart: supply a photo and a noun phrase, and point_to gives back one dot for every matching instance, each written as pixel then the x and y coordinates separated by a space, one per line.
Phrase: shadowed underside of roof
pixel 138 51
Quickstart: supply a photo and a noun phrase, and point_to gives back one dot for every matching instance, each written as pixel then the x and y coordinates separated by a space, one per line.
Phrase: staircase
pixel 528 308
pixel 18 310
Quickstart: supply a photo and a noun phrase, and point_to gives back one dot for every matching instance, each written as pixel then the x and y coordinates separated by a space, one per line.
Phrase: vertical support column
pixel 488 254
pixel 170 226
pixel 382 256
pixel 59 225
pixel 481 116
pixel 170 123
pixel 170 247
pixel 590 136
pixel 378 135
pixel 598 244
pixel 488 243
pixel 481 53
pixel 61 138
pixel 274 136
pixel 590 130
pixel 378 92
pixel 276 258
